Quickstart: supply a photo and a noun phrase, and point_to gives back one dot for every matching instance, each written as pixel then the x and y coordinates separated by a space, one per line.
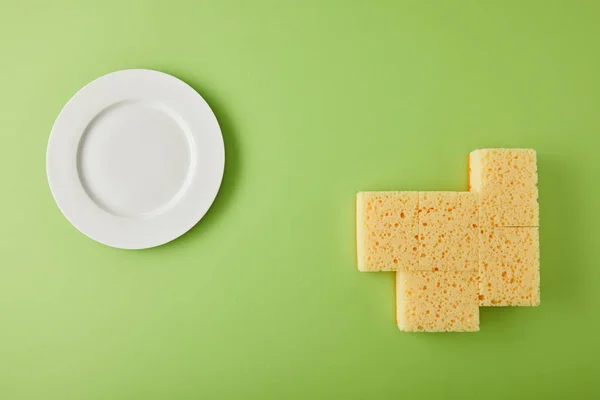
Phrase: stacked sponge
pixel 506 182
pixel 455 251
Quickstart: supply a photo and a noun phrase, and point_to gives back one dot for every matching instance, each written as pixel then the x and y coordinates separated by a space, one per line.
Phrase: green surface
pixel 317 101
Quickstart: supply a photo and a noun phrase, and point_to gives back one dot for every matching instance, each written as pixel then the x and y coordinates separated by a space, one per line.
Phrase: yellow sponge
pixel 509 272
pixel 456 251
pixel 440 301
pixel 448 231
pixel 387 230
pixel 506 180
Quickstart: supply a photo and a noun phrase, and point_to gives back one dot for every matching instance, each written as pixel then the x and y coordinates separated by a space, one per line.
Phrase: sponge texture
pixel 440 301
pixel 448 231
pixel 509 273
pixel 456 251
pixel 387 230
pixel 506 180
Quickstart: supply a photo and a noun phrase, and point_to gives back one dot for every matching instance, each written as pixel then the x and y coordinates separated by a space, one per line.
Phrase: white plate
pixel 135 159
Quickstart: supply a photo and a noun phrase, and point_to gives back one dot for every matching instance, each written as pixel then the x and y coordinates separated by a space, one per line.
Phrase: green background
pixel 317 100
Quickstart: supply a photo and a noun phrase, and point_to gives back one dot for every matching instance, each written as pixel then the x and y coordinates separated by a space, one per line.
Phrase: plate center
pixel 134 158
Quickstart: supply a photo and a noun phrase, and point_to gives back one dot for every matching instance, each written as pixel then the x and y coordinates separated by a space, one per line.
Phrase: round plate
pixel 135 159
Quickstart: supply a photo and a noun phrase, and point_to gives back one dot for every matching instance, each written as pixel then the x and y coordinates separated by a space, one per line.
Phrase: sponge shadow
pixel 561 246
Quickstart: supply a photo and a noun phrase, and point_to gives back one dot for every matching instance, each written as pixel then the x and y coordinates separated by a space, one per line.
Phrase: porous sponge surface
pixel 387 230
pixel 437 301
pixel 509 273
pixel 448 231
pixel 456 251
pixel 506 180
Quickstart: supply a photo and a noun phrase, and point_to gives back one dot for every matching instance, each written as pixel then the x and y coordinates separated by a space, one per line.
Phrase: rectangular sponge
pixel 509 270
pixel 506 180
pixel 448 231
pixel 387 230
pixel 437 301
